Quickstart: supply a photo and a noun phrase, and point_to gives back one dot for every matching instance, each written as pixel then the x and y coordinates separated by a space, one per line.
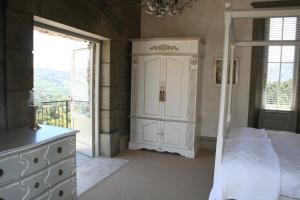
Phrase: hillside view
pixel 53 85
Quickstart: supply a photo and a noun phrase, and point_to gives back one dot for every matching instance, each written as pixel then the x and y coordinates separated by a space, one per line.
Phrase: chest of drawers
pixel 38 165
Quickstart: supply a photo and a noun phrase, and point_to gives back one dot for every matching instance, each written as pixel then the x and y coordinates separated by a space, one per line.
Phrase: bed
pixel 287 147
pixel 252 164
pixel 259 164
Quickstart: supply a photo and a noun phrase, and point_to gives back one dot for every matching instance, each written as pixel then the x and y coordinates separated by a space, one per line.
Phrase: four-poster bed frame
pixel 230 44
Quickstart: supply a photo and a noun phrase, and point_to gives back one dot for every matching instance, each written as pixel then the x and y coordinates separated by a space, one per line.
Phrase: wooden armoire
pixel 166 95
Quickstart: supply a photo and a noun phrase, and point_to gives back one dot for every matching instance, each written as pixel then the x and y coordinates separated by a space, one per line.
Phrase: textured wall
pixel 117 20
pixel 298 116
pixel 298 101
pixel 2 66
pixel 206 20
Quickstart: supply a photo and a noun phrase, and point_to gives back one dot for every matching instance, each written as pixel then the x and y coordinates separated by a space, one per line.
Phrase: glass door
pixel 82 84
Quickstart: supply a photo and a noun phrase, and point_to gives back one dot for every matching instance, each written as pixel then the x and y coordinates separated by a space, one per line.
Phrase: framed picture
pixel 218 71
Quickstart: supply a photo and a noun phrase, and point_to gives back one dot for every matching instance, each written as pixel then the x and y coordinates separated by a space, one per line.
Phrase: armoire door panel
pixel 174 134
pixel 150 132
pixel 150 74
pixel 147 131
pixel 171 135
pixel 176 83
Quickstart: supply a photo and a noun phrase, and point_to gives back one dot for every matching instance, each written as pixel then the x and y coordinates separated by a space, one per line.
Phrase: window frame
pixel 296 71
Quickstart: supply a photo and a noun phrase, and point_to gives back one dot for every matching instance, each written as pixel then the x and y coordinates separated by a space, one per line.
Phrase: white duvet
pixel 287 146
pixel 250 168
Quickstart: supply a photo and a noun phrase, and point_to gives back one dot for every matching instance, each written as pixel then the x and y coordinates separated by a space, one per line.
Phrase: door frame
pixel 97 40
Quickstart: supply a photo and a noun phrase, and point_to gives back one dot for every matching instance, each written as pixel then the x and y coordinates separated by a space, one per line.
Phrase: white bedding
pixel 287 146
pixel 250 168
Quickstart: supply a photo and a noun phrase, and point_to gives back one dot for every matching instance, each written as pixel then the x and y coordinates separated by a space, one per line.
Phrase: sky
pixel 54 52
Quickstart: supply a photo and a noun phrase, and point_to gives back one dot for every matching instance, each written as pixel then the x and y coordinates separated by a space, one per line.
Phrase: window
pixel 281 67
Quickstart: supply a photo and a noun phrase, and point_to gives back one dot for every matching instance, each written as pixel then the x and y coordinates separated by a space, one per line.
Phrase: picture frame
pixel 218 71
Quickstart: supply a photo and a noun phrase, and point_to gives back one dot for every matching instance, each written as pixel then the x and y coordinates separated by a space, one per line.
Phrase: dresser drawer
pixel 35 185
pixel 60 149
pixel 34 160
pixel 44 196
pixel 64 190
pixel 12 192
pixel 61 171
pixel 10 169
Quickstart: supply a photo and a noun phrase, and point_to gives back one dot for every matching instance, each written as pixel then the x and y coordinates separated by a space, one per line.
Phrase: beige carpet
pixel 157 176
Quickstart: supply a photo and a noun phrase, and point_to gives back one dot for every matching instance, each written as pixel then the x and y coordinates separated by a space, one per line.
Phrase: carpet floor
pixel 157 176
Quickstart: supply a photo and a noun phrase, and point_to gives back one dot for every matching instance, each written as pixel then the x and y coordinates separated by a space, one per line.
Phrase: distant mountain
pixel 53 85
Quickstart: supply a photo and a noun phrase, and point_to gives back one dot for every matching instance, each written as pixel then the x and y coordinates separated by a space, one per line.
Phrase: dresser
pixel 166 95
pixel 38 165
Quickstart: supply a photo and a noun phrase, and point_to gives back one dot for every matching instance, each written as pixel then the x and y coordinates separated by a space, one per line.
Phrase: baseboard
pixel 208 143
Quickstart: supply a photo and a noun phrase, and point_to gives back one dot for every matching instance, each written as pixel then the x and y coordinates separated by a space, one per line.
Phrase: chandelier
pixel 162 8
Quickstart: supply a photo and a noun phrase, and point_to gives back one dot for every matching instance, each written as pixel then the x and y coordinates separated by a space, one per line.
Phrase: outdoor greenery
pixel 54 91
pixel 52 85
pixel 55 113
pixel 280 94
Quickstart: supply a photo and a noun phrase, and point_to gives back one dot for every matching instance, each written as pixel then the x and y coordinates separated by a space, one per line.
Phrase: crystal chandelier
pixel 162 8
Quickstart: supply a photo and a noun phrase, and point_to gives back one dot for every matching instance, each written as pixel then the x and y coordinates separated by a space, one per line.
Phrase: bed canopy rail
pixel 263 13
pixel 230 44
pixel 266 43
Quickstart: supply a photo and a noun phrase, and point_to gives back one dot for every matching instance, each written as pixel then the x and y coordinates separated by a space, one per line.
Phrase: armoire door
pixel 147 131
pixel 150 73
pixel 176 83
pixel 174 134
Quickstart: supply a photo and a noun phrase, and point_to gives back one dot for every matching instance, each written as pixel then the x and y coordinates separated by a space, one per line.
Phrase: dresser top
pixel 22 138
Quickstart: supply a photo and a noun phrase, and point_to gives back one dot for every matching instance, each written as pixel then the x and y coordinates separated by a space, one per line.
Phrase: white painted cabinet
pixel 174 134
pixel 149 131
pixel 165 103
pixel 150 74
pixel 176 87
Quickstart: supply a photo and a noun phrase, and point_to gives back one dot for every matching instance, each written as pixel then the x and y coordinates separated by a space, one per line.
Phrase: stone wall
pixel 2 66
pixel 117 20
pixel 19 67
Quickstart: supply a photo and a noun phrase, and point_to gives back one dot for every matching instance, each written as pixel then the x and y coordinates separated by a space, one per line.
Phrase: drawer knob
pixel 1 173
pixel 61 193
pixel 35 160
pixel 37 185
pixel 60 172
pixel 59 149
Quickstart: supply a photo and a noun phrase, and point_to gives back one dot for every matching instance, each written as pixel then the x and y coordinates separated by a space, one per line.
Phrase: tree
pixel 279 93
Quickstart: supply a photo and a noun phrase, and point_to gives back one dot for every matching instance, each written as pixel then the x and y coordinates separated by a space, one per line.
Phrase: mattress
pixel 247 151
pixel 287 146
pixel 286 198
pixel 248 161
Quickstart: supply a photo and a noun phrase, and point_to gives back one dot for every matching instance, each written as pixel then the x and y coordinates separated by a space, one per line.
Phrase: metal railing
pixel 56 113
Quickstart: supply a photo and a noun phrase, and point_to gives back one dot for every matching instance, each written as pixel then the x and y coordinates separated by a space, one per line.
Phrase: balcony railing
pixel 56 113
